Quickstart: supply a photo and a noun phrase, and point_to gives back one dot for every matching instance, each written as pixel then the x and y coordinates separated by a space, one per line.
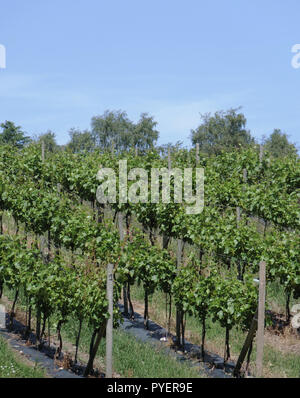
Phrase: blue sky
pixel 70 60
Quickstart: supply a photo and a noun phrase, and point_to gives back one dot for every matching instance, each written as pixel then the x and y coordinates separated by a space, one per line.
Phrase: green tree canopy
pixel 49 140
pixel 115 128
pixel 112 128
pixel 278 144
pixel 13 135
pixel 80 141
pixel 144 133
pixel 223 131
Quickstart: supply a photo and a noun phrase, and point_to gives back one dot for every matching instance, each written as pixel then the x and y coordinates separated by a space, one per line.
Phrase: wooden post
pixel 238 209
pixel 197 153
pixel 261 153
pixel 238 216
pixel 238 220
pixel 246 345
pixel 169 159
pixel 178 312
pixel 109 325
pixel 2 317
pixel 261 318
pixel 245 175
pixel 38 313
pixel 165 238
pixel 43 151
pixel 121 232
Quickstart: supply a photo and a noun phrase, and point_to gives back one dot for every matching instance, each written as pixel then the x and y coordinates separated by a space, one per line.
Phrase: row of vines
pixel 251 214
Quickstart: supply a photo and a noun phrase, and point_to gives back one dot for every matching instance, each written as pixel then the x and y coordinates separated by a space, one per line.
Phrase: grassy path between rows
pixel 131 357
pixel 281 352
pixel 13 365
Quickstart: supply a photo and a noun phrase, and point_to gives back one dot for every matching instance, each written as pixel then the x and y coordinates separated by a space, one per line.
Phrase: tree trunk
pixel 249 356
pixel 227 348
pixel 49 331
pixel 203 337
pixel 100 333
pixel 287 306
pixel 178 327
pixel 130 302
pixel 170 314
pixel 92 341
pixel 182 329
pixel 100 212
pixel 166 240
pixel 44 325
pixel 125 299
pixel 59 348
pixel 12 312
pixel 77 340
pixel 28 324
pixel 146 311
pixel 38 324
pixel 239 269
pixel 49 245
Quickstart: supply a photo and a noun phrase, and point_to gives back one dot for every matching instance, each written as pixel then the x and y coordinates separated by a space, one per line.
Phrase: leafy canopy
pixel 223 131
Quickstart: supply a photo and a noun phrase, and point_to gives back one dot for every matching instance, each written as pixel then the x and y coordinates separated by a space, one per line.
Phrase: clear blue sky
pixel 70 60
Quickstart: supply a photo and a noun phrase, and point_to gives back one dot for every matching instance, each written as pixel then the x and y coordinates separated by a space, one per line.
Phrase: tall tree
pixel 13 135
pixel 278 144
pixel 112 128
pixel 50 141
pixel 115 128
pixel 145 135
pixel 80 141
pixel 223 131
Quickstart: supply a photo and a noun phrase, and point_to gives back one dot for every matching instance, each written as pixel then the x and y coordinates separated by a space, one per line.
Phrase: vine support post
pixel 238 220
pixel 178 312
pixel 166 238
pixel 43 151
pixel 169 159
pixel 197 153
pixel 112 148
pixel 261 318
pixel 38 324
pixel 246 345
pixel 121 233
pixel 238 216
pixel 109 325
pixel 261 153
pixel 245 180
pixel 245 175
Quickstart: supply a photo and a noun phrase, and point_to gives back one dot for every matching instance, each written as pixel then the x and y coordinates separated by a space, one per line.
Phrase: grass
pixel 276 363
pixel 133 358
pixel 12 366
pixel 136 359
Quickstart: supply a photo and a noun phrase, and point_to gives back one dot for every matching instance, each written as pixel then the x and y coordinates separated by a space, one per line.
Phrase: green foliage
pixel 49 141
pixel 224 131
pixel 113 129
pixel 13 366
pixel 12 135
pixel 279 146
pixel 80 141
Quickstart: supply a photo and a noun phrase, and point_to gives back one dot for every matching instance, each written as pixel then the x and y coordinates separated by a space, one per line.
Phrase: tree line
pixel 222 131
